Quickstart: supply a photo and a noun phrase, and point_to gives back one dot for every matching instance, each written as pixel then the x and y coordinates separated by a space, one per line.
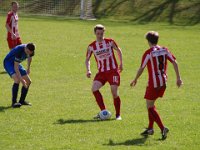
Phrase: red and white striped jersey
pixel 104 54
pixel 12 21
pixel 156 60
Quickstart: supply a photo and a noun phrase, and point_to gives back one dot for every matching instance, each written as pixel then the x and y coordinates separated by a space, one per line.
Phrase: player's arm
pixel 172 59
pixel 29 60
pixel 16 67
pixel 8 21
pixel 8 28
pixel 145 59
pixel 139 73
pixel 119 52
pixel 87 62
pixel 179 82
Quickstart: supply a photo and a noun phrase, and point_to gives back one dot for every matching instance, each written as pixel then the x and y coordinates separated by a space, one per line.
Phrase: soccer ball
pixel 105 115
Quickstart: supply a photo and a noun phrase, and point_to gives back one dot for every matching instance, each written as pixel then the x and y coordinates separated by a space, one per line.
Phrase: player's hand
pixel 24 83
pixel 89 74
pixel 28 71
pixel 120 68
pixel 133 83
pixel 179 82
pixel 14 37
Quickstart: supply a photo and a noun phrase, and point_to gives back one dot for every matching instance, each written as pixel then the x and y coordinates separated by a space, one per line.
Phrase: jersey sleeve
pixel 145 59
pixel 8 19
pixel 170 56
pixel 113 41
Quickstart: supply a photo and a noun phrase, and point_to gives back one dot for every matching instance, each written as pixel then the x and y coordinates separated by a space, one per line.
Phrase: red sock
pixel 99 100
pixel 117 103
pixel 156 117
pixel 151 119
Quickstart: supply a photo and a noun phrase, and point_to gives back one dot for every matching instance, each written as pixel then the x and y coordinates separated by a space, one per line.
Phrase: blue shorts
pixel 9 67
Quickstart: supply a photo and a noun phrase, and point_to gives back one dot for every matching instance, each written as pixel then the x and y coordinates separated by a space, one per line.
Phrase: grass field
pixel 63 106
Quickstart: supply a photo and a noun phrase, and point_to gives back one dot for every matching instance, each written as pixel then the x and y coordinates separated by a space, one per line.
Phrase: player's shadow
pixel 78 121
pixel 3 72
pixel 136 142
pixel 3 108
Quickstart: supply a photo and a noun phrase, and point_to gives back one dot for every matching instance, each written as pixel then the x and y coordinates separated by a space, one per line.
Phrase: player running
pixel 109 71
pixel 156 60
pixel 13 37
pixel 12 65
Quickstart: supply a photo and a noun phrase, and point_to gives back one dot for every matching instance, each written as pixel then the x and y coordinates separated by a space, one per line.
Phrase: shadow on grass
pixel 3 72
pixel 155 13
pixel 78 121
pixel 137 142
pixel 171 11
pixel 3 108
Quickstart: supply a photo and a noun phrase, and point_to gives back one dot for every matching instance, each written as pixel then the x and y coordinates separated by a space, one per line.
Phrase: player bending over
pixel 102 48
pixel 156 60
pixel 12 65
pixel 13 37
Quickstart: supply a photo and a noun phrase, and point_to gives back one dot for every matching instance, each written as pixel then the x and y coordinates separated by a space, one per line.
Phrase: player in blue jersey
pixel 12 65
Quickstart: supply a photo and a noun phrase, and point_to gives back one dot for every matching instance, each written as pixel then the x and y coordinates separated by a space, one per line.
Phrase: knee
pixel 16 81
pixel 115 94
pixel 93 89
pixel 29 83
pixel 150 105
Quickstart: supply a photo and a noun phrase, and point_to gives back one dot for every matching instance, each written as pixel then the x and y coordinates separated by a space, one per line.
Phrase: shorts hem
pixel 99 81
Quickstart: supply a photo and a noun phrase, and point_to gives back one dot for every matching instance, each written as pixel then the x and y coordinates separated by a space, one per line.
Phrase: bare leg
pixel 24 90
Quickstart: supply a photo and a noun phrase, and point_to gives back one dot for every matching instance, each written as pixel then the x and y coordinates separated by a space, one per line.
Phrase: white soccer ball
pixel 105 115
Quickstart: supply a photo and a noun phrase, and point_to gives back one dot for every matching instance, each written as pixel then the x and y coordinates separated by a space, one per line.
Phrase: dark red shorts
pixel 13 42
pixel 154 93
pixel 112 77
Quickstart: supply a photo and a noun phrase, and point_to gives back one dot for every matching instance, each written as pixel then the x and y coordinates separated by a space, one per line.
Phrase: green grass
pixel 63 106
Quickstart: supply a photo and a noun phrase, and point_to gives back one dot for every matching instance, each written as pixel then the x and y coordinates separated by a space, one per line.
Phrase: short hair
pixel 14 2
pixel 152 37
pixel 31 46
pixel 99 27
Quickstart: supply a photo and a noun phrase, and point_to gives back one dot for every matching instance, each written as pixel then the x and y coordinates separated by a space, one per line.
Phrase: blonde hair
pixel 152 37
pixel 14 2
pixel 99 27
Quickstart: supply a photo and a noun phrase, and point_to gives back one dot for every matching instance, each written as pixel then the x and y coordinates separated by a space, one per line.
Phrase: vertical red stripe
pixel 100 64
pixel 156 70
pixel 110 63
pixel 165 68
pixel 105 65
pixel 114 59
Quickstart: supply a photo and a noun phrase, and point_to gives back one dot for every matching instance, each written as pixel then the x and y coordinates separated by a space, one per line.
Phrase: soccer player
pixel 108 69
pixel 12 65
pixel 13 37
pixel 155 58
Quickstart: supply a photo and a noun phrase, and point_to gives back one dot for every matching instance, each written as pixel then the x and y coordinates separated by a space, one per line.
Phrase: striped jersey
pixel 156 60
pixel 12 21
pixel 104 54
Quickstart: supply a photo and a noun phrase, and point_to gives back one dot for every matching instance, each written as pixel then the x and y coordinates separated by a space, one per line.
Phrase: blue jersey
pixel 17 54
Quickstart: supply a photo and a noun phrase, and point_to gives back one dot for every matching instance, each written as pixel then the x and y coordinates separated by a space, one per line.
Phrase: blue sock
pixel 15 89
pixel 24 92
